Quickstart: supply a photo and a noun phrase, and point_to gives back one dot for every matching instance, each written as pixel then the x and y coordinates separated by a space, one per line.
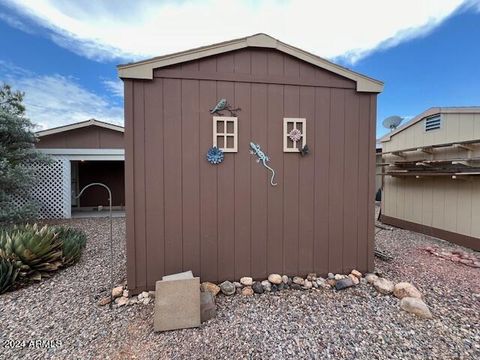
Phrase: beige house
pixel 432 175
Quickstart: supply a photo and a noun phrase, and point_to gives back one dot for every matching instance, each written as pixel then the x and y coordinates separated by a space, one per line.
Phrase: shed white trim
pixel 80 125
pixel 144 69
pixel 87 154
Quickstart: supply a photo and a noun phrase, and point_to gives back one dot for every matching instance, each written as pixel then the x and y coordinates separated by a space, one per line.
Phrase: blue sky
pixel 63 54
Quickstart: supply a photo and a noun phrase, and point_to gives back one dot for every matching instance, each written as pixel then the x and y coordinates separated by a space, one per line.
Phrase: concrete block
pixel 177 304
pixel 208 309
pixel 179 276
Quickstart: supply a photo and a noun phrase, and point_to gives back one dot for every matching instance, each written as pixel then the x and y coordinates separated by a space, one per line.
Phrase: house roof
pixel 79 125
pixel 144 69
pixel 430 112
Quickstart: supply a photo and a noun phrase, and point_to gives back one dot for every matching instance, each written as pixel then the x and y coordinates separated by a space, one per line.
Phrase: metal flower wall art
pixel 215 155
pixel 295 135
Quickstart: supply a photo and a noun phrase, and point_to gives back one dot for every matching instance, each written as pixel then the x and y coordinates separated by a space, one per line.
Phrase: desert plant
pixel 9 269
pixel 38 249
pixel 73 241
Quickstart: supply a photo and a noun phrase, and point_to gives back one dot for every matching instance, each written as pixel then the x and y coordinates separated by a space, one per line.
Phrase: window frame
pixel 295 121
pixel 225 120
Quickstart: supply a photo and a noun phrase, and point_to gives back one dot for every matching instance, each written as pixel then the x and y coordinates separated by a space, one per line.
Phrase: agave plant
pixel 74 241
pixel 38 249
pixel 8 273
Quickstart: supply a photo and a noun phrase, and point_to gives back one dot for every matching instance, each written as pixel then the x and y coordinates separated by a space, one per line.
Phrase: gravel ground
pixel 356 323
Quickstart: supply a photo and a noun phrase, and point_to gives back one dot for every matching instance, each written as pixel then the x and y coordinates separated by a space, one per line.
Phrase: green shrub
pixel 38 249
pixel 73 241
pixel 9 270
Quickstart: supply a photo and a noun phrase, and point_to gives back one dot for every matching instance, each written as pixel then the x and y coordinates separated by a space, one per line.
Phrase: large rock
pixel 210 287
pixel 227 288
pixel 208 309
pixel 257 287
pixel 343 284
pixel 298 280
pixel 285 279
pixel 246 281
pixel 275 279
pixel 354 279
pixel 117 291
pixel 247 291
pixel 312 277
pixel 356 273
pixel 405 289
pixel 267 286
pixel 415 306
pixel 371 278
pixel 307 284
pixel 383 286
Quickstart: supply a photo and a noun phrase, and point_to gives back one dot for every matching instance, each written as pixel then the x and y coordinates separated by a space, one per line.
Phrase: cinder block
pixel 179 276
pixel 177 304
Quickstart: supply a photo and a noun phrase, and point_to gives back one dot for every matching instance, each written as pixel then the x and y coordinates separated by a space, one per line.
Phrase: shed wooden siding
pixel 226 221
pixel 91 137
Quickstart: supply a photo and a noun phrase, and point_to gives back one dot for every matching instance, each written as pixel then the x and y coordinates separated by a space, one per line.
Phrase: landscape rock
pixel 257 287
pixel 356 273
pixel 125 293
pixel 312 277
pixel 151 294
pixel 344 283
pixel 210 287
pixel 285 279
pixel 267 286
pixel 146 300
pixel 405 289
pixel 275 279
pixel 227 288
pixel 383 286
pixel 339 277
pixel 371 278
pixel 117 291
pixel 331 282
pixel 104 301
pixel 121 301
pixel 145 295
pixel 298 280
pixel 274 288
pixel 355 279
pixel 237 284
pixel 415 306
pixel 330 276
pixel 296 286
pixel 208 308
pixel 307 284
pixel 246 281
pixel 247 291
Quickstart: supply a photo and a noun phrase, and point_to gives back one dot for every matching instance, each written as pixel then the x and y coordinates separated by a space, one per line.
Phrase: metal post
pixel 111 232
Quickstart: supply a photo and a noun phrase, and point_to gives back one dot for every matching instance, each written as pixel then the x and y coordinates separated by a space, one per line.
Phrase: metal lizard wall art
pixel 256 150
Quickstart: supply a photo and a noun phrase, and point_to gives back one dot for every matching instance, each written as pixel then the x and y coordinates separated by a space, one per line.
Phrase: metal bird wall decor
pixel 256 150
pixel 224 105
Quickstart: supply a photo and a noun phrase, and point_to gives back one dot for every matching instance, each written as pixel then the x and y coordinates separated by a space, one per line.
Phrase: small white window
pixel 294 134
pixel 225 133
pixel 433 123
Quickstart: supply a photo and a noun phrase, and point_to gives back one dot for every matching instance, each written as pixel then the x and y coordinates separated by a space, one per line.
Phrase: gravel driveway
pixel 356 323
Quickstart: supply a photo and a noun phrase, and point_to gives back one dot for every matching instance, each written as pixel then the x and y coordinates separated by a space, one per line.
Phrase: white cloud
pixel 137 29
pixel 54 100
pixel 114 86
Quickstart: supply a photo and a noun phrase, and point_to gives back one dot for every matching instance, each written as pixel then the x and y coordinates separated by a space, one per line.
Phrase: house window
pixel 225 133
pixel 433 123
pixel 294 134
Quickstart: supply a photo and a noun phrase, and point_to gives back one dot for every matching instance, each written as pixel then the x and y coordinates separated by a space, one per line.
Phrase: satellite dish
pixel 392 122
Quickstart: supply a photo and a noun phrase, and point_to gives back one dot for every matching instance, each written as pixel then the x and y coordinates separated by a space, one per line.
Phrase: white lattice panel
pixel 52 190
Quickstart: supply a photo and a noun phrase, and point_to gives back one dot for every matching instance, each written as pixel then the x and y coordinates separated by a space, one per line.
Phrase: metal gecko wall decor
pixel 256 150
pixel 224 105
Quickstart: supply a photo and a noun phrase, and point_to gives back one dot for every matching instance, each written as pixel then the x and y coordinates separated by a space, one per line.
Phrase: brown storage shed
pixel 225 221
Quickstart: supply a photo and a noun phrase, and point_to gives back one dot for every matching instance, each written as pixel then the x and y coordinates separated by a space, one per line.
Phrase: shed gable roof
pixel 79 125
pixel 144 69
